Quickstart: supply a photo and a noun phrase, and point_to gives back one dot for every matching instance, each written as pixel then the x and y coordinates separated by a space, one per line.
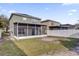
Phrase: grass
pixel 8 48
pixel 38 47
pixel 70 43
pixel 34 47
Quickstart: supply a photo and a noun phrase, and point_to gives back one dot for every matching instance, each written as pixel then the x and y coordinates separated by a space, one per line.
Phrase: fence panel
pixel 0 33
pixel 64 33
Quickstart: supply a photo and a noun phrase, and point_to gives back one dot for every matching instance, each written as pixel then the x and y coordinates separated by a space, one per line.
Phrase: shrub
pixel 5 34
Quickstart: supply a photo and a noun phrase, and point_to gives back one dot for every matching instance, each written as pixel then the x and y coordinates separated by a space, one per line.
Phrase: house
pixel 25 25
pixel 76 26
pixel 66 26
pixel 51 24
pixel 62 27
pixel 54 25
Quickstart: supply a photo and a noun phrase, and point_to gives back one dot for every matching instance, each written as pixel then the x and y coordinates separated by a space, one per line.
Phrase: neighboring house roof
pixel 66 25
pixel 76 24
pixel 48 21
pixel 24 15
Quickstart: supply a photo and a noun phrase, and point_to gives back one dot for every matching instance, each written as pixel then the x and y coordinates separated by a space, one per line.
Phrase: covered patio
pixel 23 29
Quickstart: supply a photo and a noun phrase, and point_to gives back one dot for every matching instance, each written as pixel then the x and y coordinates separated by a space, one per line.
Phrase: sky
pixel 65 13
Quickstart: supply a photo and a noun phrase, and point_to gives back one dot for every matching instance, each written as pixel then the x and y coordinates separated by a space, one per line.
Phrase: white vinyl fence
pixel 64 33
pixel 1 32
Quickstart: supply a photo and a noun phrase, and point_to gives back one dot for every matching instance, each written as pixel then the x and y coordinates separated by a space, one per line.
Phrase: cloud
pixel 3 11
pixel 12 11
pixel 46 8
pixel 70 14
pixel 73 10
pixel 66 4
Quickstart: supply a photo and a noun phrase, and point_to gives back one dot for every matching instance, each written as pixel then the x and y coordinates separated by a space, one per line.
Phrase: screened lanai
pixel 23 29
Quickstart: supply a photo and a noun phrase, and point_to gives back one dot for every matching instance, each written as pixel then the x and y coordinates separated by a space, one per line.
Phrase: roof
pixel 76 24
pixel 58 27
pixel 49 20
pixel 33 24
pixel 24 15
pixel 66 25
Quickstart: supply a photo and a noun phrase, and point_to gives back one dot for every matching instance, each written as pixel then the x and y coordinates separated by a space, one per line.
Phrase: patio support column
pixel 17 29
pixel 35 29
pixel 27 29
pixel 41 30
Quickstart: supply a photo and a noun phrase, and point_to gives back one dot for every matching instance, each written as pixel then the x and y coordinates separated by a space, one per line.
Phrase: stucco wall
pixel 49 23
pixel 55 24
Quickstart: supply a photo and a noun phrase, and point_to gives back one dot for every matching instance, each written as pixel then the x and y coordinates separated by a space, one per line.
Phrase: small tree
pixel 4 22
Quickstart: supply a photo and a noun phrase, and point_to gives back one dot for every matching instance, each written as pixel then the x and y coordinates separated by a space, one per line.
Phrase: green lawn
pixel 8 48
pixel 38 47
pixel 70 43
pixel 34 47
